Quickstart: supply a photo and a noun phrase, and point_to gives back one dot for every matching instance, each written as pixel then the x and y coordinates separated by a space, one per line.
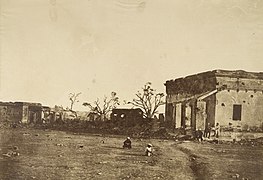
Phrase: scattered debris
pixel 162 132
pixel 59 144
pixel 11 154
pixel 236 176
pixel 144 162
pixel 103 162
pixel 15 148
pixel 184 137
pixel 7 155
pixel 218 150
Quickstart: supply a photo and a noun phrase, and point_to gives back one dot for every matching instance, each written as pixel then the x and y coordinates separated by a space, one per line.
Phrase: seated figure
pixel 148 150
pixel 127 143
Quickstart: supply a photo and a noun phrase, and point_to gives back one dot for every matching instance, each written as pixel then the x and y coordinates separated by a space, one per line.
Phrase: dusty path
pixel 224 161
pixel 58 155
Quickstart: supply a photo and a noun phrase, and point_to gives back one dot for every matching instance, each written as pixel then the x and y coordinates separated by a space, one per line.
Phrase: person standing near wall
pixel 217 130
pixel 208 129
pixel 199 135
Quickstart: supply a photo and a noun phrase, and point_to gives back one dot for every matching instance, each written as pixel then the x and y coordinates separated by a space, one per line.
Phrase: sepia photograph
pixel 131 89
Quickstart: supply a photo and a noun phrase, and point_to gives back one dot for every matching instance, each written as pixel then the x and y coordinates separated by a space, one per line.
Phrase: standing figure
pixel 217 129
pixel 127 143
pixel 148 150
pixel 208 129
pixel 199 135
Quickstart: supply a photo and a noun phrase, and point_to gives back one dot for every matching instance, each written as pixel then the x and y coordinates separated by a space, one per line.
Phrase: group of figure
pixel 207 132
pixel 127 145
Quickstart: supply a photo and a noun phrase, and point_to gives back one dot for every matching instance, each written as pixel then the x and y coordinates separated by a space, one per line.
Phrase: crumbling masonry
pixel 226 97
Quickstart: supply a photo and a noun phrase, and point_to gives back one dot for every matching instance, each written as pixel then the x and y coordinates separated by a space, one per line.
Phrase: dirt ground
pixel 38 154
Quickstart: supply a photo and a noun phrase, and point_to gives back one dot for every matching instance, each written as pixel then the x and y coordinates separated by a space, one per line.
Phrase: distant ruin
pixel 20 112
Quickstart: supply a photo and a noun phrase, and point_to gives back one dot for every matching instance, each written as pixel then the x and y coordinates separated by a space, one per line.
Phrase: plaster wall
pixel 251 108
pixel 240 83
pixel 10 113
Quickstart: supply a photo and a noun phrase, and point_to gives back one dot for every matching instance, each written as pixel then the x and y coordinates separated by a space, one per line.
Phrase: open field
pixel 61 155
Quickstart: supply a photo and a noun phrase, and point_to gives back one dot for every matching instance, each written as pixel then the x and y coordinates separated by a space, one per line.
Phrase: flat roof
pixel 225 73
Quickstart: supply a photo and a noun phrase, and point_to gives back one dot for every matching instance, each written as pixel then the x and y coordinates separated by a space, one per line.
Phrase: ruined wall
pixel 210 109
pixel 169 111
pixel 251 108
pixel 10 114
pixel 234 88
pixel 185 90
pixel 201 115
pixel 128 114
pixel 35 112
pixel 236 83
pixel 191 85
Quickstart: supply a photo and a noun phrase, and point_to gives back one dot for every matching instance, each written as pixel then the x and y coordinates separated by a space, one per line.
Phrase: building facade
pixel 20 112
pixel 127 114
pixel 230 98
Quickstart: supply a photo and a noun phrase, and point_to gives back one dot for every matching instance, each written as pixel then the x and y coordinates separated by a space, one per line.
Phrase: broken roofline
pixel 20 104
pixel 224 73
pixel 198 97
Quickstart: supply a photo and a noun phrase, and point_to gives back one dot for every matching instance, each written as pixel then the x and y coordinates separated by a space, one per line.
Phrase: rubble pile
pixel 251 142
pixel 162 132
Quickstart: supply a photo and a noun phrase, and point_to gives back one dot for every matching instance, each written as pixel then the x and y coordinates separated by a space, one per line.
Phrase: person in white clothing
pixel 148 150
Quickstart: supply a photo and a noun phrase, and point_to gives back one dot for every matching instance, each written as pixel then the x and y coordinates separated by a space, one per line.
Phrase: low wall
pixel 230 136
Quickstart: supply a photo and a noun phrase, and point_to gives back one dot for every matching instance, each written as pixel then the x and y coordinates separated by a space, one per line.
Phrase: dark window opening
pixel 243 83
pixel 244 101
pixel 237 90
pixel 246 90
pixel 228 90
pixel 222 104
pixel 237 112
pixel 251 96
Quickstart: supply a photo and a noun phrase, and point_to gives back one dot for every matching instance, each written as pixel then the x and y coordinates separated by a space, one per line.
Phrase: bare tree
pixel 105 107
pixel 73 97
pixel 148 100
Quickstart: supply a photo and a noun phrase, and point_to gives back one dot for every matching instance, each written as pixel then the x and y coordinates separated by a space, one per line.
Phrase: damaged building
pixel 230 98
pixel 20 112
pixel 129 114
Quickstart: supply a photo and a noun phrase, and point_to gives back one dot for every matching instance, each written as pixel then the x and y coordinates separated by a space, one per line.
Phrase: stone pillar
pixel 183 115
pixel 193 114
pixel 25 114
pixel 178 115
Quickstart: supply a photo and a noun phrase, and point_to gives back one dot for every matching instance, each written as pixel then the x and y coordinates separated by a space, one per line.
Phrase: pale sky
pixel 50 48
